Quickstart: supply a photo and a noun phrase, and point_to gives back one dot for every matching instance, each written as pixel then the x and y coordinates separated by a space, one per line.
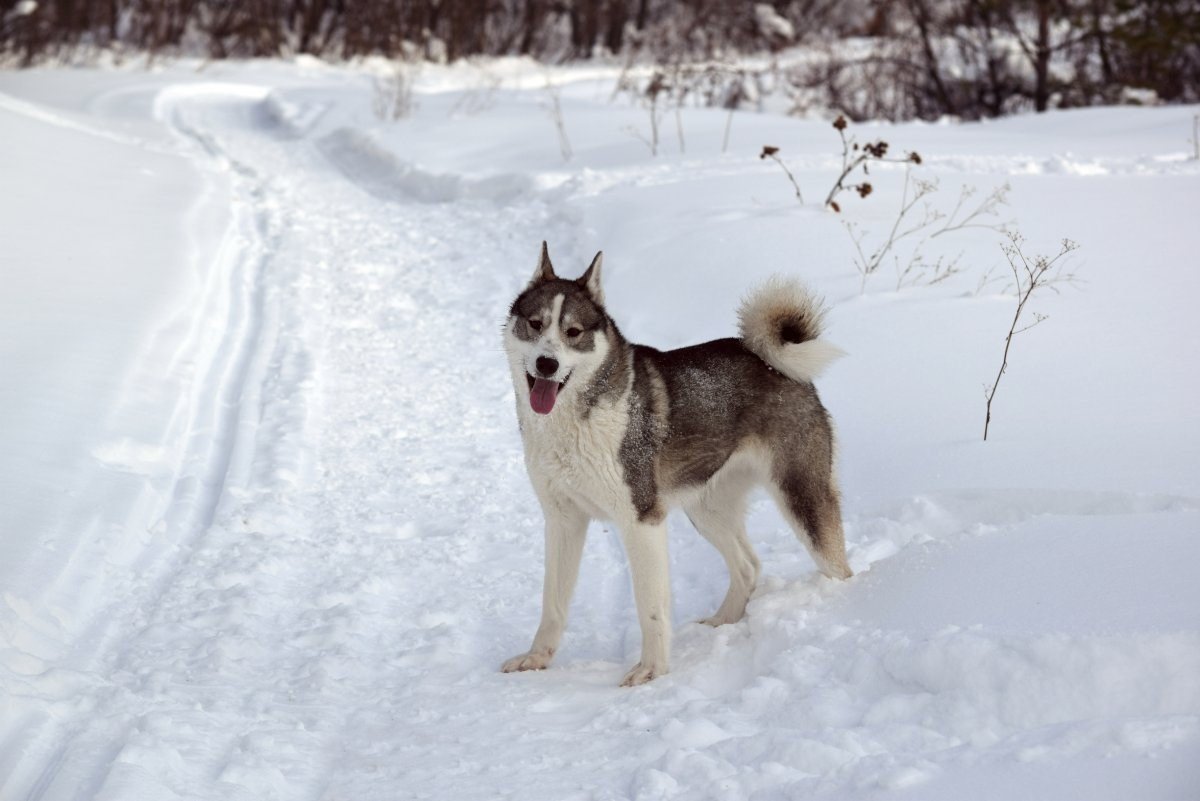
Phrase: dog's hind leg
pixel 809 502
pixel 566 531
pixel 720 517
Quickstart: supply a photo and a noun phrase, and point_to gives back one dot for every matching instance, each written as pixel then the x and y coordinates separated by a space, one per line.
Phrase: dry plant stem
pixel 556 114
pixel 725 139
pixel 392 97
pixel 652 142
pixel 479 97
pixel 1039 274
pixel 987 206
pixel 791 177
pixel 848 166
pixel 867 266
pixel 1196 136
pixel 941 270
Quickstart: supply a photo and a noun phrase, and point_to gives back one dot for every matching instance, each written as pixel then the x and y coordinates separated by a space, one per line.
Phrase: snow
pixel 264 525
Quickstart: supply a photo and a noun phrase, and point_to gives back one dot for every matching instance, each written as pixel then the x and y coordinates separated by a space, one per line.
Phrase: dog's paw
pixel 643 673
pixel 527 661
pixel 719 620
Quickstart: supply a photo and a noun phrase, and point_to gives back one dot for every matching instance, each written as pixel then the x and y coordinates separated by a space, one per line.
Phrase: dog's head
pixel 557 335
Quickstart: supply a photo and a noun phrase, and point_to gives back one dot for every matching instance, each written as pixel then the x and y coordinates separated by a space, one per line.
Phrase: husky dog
pixel 623 432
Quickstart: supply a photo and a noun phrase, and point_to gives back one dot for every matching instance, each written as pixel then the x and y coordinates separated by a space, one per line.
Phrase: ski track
pixel 330 622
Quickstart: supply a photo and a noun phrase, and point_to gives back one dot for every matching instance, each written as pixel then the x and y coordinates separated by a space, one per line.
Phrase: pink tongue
pixel 543 394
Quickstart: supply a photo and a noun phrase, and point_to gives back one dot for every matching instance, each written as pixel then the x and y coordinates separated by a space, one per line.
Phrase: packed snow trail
pixel 353 549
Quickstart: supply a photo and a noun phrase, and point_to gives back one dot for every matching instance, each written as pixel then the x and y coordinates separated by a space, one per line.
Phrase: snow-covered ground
pixel 265 531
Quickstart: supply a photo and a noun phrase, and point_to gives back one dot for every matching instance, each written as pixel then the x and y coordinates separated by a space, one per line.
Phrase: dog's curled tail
pixel 780 322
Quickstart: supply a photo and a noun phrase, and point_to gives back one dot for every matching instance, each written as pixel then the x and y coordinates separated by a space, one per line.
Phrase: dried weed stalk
pixel 554 110
pixel 930 224
pixel 855 156
pixel 392 96
pixel 652 96
pixel 771 152
pixel 674 83
pixel 480 97
pixel 1029 276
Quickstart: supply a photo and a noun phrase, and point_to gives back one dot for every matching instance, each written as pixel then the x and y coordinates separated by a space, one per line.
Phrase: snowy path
pixel 348 548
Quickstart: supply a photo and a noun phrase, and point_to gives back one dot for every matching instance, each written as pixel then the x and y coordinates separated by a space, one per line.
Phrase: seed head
pixel 876 149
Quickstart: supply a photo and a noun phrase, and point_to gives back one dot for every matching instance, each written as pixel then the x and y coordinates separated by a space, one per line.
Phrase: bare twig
pixel 867 265
pixel 918 271
pixel 481 96
pixel 989 206
pixel 988 278
pixel 650 142
pixel 554 109
pixel 1028 277
pixel 392 96
pixel 854 156
pixel 771 152
pixel 654 90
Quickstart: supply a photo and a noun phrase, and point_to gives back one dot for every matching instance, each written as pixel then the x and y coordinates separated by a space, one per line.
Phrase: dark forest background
pixel 897 60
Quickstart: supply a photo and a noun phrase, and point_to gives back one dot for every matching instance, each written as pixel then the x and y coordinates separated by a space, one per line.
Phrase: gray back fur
pixel 690 409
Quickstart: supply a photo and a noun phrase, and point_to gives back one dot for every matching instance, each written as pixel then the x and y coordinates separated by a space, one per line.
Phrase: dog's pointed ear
pixel 591 279
pixel 545 270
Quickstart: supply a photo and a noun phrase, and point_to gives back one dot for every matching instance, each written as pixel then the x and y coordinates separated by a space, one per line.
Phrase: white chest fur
pixel 576 457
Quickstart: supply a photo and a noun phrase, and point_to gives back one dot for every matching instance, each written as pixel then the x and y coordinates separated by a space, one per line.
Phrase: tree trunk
pixel 617 14
pixel 920 15
pixel 1041 63
pixel 640 21
pixel 529 28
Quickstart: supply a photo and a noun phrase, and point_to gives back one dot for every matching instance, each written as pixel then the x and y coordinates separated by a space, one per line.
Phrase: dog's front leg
pixel 566 530
pixel 646 549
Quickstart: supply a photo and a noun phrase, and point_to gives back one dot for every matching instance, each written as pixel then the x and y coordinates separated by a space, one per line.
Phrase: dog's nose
pixel 546 366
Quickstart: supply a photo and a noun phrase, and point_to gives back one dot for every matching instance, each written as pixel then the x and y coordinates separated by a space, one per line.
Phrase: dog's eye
pixel 536 325
pixel 573 332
